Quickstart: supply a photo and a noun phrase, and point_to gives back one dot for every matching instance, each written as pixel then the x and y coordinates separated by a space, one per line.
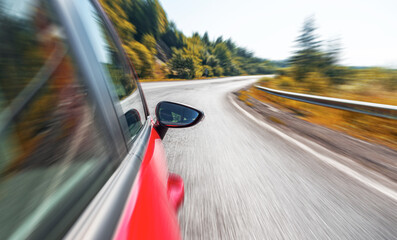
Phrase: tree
pixel 333 51
pixel 331 58
pixel 184 64
pixel 308 40
pixel 173 37
pixel 219 40
pixel 230 45
pixel 141 58
pixel 150 43
pixel 242 52
pixel 205 39
pixel 148 16
pixel 308 57
pixel 224 56
pixel 141 55
pixel 148 37
pixel 115 11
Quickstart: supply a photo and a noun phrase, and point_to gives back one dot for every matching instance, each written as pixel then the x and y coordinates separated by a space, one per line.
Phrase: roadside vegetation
pixel 315 69
pixel 372 129
pixel 158 50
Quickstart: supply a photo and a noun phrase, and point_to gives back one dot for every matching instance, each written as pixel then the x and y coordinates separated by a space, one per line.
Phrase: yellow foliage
pixel 161 71
pixel 370 128
pixel 150 42
pixel 244 97
pixel 315 82
pixel 119 18
pixel 141 58
pixel 286 82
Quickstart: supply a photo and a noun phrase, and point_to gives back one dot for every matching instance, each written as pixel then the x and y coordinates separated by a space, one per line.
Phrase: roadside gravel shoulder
pixel 379 158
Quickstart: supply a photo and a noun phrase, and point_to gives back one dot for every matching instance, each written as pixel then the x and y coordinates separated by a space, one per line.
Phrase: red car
pixel 80 156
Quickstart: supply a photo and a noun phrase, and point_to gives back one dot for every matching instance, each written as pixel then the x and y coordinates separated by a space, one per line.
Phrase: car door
pixel 56 151
pixel 135 203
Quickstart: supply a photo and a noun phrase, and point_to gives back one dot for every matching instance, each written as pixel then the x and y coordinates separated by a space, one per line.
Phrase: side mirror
pixel 175 115
pixel 133 121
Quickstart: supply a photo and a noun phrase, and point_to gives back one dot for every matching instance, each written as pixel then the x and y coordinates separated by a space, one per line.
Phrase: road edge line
pixel 334 163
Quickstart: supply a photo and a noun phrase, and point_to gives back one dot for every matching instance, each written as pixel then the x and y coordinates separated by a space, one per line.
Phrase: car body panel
pixel 139 198
pixel 149 213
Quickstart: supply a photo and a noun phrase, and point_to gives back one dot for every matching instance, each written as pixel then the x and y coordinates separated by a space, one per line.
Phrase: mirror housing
pixel 175 115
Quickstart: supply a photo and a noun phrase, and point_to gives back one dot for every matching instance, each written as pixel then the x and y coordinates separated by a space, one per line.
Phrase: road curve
pixel 246 182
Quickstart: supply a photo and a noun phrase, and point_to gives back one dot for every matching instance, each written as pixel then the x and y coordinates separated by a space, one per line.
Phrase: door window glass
pixel 116 68
pixel 53 154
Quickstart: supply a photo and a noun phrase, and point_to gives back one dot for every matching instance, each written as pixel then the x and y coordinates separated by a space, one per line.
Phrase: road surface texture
pixel 244 180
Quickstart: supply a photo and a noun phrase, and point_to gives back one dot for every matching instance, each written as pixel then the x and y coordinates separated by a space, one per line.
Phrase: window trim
pixel 126 59
pixel 101 218
pixel 95 80
pixel 118 150
pixel 113 196
pixel 125 64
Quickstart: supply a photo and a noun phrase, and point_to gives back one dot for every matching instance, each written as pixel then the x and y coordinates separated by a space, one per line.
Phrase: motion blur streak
pixel 369 182
pixel 52 150
pixel 245 182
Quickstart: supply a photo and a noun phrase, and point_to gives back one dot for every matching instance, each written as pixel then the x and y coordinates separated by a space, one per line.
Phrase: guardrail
pixel 374 109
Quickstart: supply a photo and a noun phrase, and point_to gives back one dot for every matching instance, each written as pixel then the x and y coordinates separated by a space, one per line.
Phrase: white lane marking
pixel 361 178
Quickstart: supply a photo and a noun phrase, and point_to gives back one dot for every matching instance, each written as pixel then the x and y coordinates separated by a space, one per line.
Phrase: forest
pixel 159 50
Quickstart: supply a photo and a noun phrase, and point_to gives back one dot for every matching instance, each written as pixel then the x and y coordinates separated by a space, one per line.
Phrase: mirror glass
pixel 176 115
pixel 133 121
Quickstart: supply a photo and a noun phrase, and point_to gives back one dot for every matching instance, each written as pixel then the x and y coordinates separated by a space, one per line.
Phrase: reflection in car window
pixel 115 67
pixel 18 42
pixel 53 155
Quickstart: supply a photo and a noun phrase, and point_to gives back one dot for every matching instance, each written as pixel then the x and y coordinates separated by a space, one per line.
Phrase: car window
pixel 54 156
pixel 116 68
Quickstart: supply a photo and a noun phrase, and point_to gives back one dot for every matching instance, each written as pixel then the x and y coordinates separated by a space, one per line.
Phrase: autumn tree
pixel 308 57
pixel 151 40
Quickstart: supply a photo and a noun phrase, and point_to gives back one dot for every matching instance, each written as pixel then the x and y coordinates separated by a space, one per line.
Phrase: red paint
pixel 176 190
pixel 150 211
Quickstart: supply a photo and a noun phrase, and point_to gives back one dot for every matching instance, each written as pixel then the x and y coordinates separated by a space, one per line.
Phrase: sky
pixel 367 30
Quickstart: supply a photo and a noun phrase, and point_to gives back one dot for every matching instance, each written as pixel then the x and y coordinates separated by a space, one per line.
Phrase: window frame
pixel 113 196
pixel 128 67
pixel 126 59
pixel 84 55
pixel 118 150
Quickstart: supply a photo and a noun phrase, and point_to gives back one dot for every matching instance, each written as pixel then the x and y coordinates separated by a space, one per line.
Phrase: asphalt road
pixel 243 181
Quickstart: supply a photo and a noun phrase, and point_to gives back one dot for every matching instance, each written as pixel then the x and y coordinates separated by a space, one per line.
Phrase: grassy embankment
pixel 369 85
